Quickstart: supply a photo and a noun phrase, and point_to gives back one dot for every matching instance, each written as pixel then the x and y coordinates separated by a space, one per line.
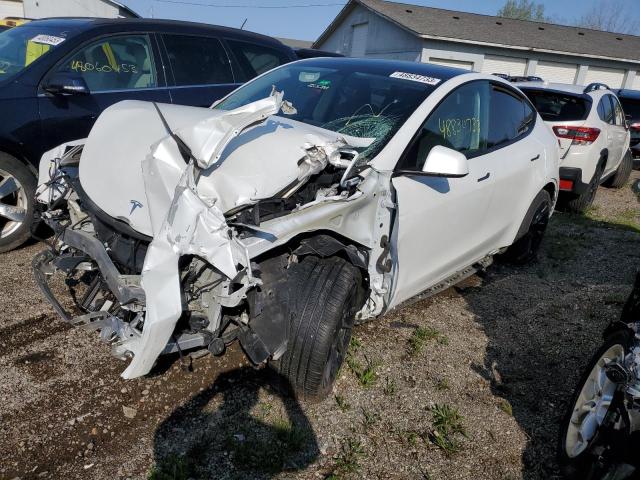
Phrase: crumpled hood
pixel 130 142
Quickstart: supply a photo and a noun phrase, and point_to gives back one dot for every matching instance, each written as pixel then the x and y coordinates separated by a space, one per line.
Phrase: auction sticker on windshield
pixel 48 39
pixel 416 78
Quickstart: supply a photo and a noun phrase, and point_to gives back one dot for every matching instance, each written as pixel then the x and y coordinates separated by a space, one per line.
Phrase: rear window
pixel 198 60
pixel 255 59
pixel 558 106
pixel 631 108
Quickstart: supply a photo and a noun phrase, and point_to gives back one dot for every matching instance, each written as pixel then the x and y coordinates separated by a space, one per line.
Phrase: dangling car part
pixel 321 194
pixel 601 431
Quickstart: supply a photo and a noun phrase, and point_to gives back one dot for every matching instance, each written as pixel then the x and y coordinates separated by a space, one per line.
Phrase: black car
pixel 630 100
pixel 58 75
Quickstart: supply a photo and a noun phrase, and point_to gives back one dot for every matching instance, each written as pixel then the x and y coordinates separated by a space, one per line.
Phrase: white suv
pixel 278 219
pixel 593 135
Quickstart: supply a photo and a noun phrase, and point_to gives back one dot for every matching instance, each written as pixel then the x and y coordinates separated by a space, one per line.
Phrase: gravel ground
pixel 469 384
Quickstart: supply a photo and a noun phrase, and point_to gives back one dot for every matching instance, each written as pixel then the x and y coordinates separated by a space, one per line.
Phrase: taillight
pixel 635 126
pixel 579 135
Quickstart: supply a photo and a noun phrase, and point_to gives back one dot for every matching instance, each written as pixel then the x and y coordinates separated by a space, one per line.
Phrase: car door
pixel 440 222
pixel 620 134
pixel 515 158
pixel 115 68
pixel 200 69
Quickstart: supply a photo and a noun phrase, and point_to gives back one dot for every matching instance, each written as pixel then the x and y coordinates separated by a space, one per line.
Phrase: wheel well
pixel 551 188
pixel 325 243
pixel 22 160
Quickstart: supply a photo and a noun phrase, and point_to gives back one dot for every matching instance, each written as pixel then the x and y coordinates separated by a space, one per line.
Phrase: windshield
pixel 21 46
pixel 558 106
pixel 353 98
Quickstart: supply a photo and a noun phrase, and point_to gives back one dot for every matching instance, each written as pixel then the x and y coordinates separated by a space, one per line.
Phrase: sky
pixel 307 19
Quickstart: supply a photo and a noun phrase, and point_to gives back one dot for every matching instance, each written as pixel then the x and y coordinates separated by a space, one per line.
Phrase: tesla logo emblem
pixel 134 204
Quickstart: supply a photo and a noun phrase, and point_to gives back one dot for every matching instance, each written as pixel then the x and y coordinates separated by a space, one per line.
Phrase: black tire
pixel 619 179
pixel 28 182
pixel 525 248
pixel 584 465
pixel 579 203
pixel 327 294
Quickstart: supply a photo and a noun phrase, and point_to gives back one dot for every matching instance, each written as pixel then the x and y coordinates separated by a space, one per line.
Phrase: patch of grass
pixel 268 450
pixel 390 387
pixel 369 419
pixel 506 407
pixel 366 375
pixel 563 247
pixel 173 467
pixel 420 337
pixel 447 426
pixel 349 458
pixel 354 344
pixel 342 403
pixel 627 219
pixel 412 438
pixel 442 385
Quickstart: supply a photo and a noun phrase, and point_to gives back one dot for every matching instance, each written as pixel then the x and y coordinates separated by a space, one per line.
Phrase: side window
pixel 605 110
pixel 114 63
pixel 618 111
pixel 197 60
pixel 256 59
pixel 510 117
pixel 460 122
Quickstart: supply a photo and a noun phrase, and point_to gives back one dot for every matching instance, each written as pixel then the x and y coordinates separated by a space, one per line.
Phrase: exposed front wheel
pixel 326 294
pixel 17 190
pixel 525 248
pixel 590 410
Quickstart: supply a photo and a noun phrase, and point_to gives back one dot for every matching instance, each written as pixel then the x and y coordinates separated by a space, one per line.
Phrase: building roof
pixel 436 23
pixel 293 43
pixel 127 10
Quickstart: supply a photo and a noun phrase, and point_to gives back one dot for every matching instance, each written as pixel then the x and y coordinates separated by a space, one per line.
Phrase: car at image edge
pixel 593 135
pixel 58 75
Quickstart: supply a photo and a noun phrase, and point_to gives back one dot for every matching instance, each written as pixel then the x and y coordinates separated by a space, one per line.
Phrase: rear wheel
pixel 327 294
pixel 17 191
pixel 579 203
pixel 619 179
pixel 534 225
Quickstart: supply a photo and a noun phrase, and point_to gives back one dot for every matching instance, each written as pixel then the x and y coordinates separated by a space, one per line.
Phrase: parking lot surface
pixel 470 384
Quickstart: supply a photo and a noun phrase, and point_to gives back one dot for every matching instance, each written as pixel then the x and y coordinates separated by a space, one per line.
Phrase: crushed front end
pixel 193 254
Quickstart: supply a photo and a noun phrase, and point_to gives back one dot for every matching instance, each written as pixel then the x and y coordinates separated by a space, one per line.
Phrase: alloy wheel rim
pixel 593 404
pixel 13 204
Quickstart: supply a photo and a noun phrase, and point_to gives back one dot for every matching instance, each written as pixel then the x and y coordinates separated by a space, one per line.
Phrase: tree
pixel 610 16
pixel 523 10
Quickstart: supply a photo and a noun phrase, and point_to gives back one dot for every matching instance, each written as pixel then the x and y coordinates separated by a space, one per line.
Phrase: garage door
pixel 359 40
pixel 451 63
pixel 557 72
pixel 506 65
pixel 612 77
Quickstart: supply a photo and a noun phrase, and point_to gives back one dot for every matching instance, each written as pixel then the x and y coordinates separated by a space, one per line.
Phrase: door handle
pixel 535 158
pixel 485 177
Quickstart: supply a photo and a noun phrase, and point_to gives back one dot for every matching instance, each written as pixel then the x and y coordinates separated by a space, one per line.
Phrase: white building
pixel 381 29
pixel 64 8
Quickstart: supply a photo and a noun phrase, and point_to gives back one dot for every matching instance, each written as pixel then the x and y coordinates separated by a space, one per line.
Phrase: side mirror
pixel 445 162
pixel 66 84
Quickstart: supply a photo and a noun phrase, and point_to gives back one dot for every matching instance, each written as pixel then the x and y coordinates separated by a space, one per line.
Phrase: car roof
pixel 627 93
pixel 131 24
pixel 557 87
pixel 389 67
